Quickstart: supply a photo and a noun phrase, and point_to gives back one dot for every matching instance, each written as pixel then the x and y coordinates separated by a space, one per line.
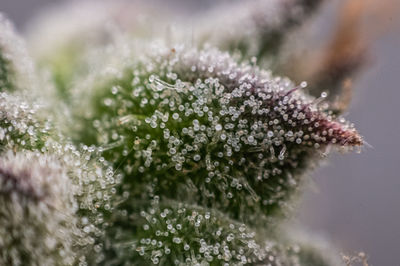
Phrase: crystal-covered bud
pixel 37 211
pixel 197 126
pixel 20 127
pixel 172 233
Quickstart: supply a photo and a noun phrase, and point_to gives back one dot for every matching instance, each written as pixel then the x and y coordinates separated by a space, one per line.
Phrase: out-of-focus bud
pixel 37 211
pixel 16 67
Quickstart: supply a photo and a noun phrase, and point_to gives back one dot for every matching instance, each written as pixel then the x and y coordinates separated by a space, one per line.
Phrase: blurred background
pixel 355 198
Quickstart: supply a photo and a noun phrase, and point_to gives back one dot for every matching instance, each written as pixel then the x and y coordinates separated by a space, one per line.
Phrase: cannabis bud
pixel 38 225
pixel 120 150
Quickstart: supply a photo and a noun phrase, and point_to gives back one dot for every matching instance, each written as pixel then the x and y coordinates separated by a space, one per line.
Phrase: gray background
pixel 355 200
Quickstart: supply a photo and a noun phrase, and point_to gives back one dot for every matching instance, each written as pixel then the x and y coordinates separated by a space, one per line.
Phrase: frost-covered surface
pixel 20 128
pixel 173 233
pixel 158 152
pixel 220 133
pixel 51 212
pixel 53 195
pixel 37 222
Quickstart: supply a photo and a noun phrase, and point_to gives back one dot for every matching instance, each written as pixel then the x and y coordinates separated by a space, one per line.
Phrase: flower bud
pixel 197 126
